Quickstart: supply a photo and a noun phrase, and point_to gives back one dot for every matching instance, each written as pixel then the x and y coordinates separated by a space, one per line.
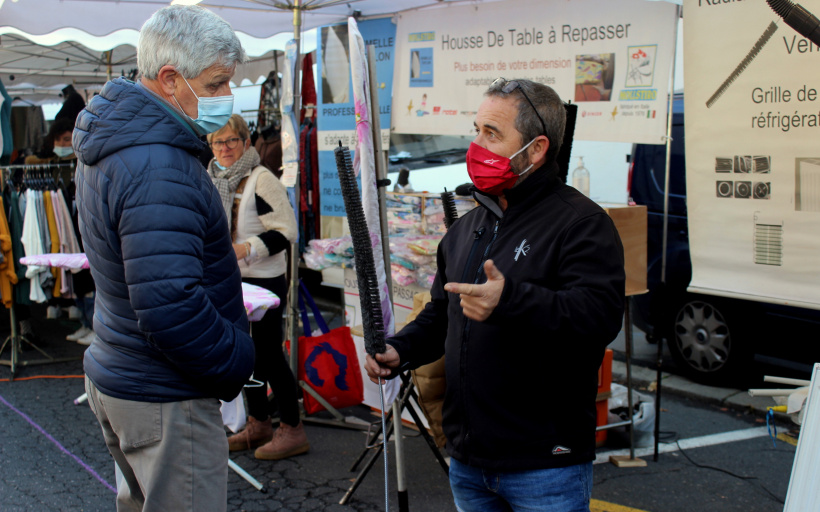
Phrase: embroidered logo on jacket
pixel 521 249
pixel 560 450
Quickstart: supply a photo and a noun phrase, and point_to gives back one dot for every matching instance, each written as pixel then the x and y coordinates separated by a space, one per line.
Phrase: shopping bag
pixel 327 361
pixel 233 413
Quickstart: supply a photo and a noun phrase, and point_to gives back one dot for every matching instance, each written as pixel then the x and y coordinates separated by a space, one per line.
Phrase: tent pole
pixel 659 359
pixel 381 175
pixel 293 327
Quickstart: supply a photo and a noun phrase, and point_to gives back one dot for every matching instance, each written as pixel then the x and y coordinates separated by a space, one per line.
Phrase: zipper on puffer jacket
pixel 467 323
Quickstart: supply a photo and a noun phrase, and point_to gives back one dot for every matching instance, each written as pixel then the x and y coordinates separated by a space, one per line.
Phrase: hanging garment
pixel 32 244
pixel 46 278
pixel 308 90
pixel 5 123
pixel 59 278
pixel 2 103
pixel 7 275
pixel 28 126
pixel 270 151
pixel 42 221
pixel 54 236
pixel 304 191
pixel 68 238
pixel 313 203
pixel 309 185
pixel 17 204
pixel 68 245
pixel 73 104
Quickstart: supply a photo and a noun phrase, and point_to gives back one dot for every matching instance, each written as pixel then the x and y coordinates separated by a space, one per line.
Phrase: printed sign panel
pixel 337 113
pixel 752 112
pixel 612 58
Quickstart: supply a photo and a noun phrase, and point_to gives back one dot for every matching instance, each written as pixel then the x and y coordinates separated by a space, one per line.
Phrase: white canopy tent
pixel 38 73
pixel 107 23
pixel 47 44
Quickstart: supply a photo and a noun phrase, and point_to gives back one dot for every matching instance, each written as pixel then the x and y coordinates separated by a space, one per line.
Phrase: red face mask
pixel 491 173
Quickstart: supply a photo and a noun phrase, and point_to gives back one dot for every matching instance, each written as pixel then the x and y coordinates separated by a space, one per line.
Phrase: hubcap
pixel 702 336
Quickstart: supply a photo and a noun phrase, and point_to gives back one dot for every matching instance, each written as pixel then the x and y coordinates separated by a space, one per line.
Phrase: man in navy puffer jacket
pixel 172 333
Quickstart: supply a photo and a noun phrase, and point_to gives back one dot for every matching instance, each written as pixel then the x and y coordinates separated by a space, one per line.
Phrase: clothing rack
pixel 8 170
pixel 15 339
pixel 38 166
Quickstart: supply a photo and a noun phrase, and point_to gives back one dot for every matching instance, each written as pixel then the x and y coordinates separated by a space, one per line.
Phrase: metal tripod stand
pixel 406 392
pixel 15 341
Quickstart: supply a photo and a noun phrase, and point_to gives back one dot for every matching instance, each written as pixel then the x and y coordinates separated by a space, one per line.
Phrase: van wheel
pixel 703 342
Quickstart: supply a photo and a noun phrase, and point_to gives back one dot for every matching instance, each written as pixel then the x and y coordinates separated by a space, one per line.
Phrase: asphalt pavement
pixel 53 458
pixel 644 359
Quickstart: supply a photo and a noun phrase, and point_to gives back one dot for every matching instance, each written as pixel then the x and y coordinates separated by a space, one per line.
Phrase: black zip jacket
pixel 521 386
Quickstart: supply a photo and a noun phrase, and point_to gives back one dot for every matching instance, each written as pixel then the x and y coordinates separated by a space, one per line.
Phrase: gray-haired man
pixel 172 333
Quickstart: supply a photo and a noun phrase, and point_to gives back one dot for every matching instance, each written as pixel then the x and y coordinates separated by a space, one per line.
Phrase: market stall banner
pixel 612 58
pixel 336 116
pixel 752 112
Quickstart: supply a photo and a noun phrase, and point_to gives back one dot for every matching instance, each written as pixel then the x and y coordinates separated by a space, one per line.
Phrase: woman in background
pixel 263 226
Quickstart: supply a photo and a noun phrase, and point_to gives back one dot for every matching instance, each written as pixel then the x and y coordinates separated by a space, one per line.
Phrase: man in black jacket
pixel 528 294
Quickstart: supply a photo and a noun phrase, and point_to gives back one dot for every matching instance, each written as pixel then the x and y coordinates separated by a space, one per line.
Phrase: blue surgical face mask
pixel 216 162
pixel 63 151
pixel 212 112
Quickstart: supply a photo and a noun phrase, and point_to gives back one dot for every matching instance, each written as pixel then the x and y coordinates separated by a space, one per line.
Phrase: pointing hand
pixel 479 300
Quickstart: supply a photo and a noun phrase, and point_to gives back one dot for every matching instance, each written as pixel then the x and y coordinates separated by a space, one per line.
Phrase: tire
pixel 705 341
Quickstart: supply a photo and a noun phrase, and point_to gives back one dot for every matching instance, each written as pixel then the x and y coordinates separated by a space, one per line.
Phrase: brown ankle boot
pixel 287 441
pixel 256 433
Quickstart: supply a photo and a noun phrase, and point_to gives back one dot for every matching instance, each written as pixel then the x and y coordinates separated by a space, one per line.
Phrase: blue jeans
pixel 543 490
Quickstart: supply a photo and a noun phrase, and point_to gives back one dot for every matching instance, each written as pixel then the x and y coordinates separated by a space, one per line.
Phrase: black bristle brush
pixel 372 319
pixel 448 204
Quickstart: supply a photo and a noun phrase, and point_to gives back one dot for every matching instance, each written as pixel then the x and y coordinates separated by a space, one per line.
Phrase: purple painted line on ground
pixel 61 447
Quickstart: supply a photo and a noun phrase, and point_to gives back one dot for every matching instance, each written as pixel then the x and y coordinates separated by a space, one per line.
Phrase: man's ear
pixel 166 78
pixel 538 149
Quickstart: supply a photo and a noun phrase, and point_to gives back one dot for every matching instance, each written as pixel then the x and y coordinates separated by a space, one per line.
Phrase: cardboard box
pixel 631 224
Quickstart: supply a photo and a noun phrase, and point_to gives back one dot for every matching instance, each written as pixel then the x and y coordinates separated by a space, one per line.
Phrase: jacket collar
pixel 543 181
pixel 125 115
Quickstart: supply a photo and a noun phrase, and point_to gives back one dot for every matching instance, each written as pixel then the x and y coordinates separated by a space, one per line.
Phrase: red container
pixel 605 373
pixel 602 412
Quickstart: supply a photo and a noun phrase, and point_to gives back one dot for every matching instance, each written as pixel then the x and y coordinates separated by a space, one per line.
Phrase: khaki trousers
pixel 173 456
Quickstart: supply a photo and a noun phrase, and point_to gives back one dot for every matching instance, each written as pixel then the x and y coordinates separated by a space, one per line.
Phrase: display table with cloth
pixel 257 299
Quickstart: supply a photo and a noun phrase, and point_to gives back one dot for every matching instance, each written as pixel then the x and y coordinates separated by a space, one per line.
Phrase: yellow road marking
pixel 603 506
pixel 787 439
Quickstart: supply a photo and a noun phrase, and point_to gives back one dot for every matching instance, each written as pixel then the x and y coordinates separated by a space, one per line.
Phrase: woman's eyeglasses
pixel 230 143
pixel 509 86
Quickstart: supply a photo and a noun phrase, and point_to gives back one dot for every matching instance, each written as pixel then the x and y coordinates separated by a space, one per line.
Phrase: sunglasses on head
pixel 508 86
